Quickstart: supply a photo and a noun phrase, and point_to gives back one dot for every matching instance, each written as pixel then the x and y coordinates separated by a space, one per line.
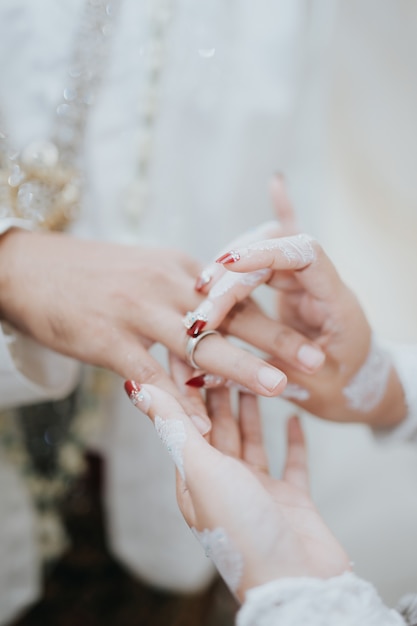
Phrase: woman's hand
pixel 357 381
pixel 254 527
pixel 106 304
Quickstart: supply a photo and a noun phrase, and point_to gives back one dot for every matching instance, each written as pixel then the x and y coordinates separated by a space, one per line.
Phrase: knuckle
pixel 283 338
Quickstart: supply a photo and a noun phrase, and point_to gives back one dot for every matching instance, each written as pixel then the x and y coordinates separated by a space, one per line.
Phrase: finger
pixel 177 433
pixel 293 392
pixel 231 289
pixel 134 362
pixel 249 323
pixel 250 424
pixel 296 468
pixel 181 372
pixel 213 272
pixel 283 206
pixel 174 427
pixel 215 354
pixel 225 435
pixel 298 253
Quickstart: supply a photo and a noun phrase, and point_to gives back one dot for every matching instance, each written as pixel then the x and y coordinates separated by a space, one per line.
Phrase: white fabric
pixel 31 373
pixel 7 223
pixel 341 601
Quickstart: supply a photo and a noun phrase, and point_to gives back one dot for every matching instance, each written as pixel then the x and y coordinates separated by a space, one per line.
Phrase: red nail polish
pixel 229 257
pixel 196 328
pixel 132 388
pixel 197 381
pixel 208 381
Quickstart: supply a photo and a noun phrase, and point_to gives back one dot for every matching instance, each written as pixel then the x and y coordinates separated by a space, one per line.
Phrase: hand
pixel 357 381
pixel 254 527
pixel 106 304
pixel 227 294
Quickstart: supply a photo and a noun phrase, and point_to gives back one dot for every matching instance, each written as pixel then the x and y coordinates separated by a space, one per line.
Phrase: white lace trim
pixel 404 357
pixel 341 601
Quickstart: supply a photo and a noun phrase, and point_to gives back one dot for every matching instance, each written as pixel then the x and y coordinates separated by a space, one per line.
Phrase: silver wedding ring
pixel 192 344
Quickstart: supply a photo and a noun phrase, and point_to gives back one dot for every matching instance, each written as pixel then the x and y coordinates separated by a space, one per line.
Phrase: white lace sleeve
pixel 341 601
pixel 404 357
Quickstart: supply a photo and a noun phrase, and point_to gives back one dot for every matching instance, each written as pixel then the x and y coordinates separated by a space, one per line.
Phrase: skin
pixel 314 301
pixel 107 304
pixel 273 524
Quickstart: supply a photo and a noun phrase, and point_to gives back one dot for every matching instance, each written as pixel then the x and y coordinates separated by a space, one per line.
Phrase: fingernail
pixel 137 395
pixel 196 328
pixel 196 381
pixel 202 424
pixel 229 257
pixel 191 317
pixel 310 356
pixel 208 381
pixel 270 378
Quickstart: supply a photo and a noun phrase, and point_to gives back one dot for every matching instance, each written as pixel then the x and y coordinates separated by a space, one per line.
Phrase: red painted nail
pixel 196 328
pixel 208 381
pixel 197 381
pixel 229 257
pixel 132 389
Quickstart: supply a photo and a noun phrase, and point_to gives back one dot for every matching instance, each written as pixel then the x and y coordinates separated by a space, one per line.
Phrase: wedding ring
pixel 192 345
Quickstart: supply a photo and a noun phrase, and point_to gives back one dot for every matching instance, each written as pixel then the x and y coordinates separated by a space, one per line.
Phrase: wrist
pixel 392 409
pixel 11 249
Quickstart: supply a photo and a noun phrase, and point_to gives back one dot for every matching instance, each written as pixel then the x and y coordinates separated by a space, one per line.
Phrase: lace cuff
pixel 404 357
pixel 345 600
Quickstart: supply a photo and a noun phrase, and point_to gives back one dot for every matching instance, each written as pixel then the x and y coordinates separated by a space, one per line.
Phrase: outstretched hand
pixel 357 381
pixel 106 304
pixel 254 527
